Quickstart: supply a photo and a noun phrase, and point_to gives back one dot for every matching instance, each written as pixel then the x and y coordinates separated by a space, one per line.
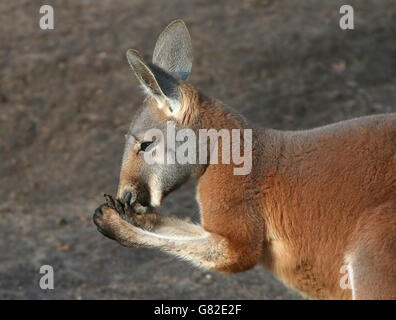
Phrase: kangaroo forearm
pixel 205 249
pixel 172 226
pixel 188 241
pixel 166 225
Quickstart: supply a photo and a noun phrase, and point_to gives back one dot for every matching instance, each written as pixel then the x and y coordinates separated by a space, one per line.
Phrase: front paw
pixel 114 219
pixel 110 217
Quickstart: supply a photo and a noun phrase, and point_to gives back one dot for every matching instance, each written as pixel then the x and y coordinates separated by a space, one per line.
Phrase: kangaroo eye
pixel 145 145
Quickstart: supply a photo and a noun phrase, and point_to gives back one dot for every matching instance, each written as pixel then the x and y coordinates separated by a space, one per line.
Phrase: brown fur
pixel 315 201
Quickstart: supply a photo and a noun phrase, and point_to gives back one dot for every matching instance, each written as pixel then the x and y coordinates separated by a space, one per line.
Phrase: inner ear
pixel 155 81
pixel 168 84
pixel 143 73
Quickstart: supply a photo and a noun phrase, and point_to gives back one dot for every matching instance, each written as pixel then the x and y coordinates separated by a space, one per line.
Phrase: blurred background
pixel 67 96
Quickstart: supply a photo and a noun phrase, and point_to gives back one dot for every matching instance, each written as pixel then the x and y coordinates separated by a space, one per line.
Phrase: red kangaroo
pixel 317 204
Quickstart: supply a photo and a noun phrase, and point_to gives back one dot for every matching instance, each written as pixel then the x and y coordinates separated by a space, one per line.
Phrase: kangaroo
pixel 315 201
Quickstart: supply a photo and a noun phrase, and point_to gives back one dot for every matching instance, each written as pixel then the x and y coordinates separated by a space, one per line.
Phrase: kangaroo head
pixel 168 100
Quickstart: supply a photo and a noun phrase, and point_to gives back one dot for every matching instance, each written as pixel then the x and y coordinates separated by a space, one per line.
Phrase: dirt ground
pixel 67 95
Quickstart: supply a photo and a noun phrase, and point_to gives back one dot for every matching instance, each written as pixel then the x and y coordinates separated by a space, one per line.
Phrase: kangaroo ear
pixel 155 81
pixel 173 50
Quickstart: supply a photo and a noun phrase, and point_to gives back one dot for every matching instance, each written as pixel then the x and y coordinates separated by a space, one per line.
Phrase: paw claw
pixel 119 207
pixel 109 201
pixel 128 198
